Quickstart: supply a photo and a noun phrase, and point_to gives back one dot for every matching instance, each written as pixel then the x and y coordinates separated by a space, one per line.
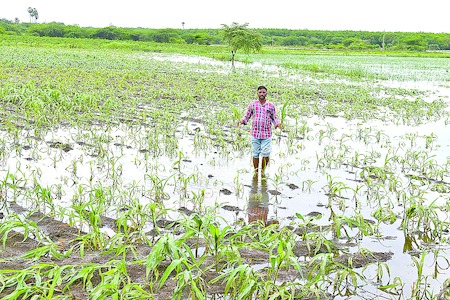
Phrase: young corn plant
pixel 90 219
pixel 122 245
pixel 113 277
pixel 347 224
pixel 242 282
pixel 29 229
pixel 192 280
pixel 284 109
pixel 283 257
pixel 158 185
pixel 420 288
pixel 334 189
pixel 216 242
pixel 346 280
pixel 167 250
pixel 47 250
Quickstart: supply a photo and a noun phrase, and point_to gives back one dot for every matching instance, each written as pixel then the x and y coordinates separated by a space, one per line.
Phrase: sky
pixel 364 15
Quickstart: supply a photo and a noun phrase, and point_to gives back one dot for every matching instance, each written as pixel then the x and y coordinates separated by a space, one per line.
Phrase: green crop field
pixel 124 175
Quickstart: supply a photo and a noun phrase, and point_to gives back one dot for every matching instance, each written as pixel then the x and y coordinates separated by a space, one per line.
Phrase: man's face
pixel 262 94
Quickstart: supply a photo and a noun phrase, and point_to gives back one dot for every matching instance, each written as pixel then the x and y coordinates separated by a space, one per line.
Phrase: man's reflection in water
pixel 258 202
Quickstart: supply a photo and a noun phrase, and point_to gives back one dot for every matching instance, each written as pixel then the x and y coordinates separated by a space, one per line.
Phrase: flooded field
pixel 124 175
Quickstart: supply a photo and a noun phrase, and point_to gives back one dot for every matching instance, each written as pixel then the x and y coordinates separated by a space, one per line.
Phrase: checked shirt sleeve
pixel 248 113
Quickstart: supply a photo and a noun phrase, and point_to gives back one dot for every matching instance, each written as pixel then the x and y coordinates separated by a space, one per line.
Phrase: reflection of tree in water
pixel 258 202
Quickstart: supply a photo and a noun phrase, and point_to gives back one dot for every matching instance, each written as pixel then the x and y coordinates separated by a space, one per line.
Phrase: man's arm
pixel 247 116
pixel 275 120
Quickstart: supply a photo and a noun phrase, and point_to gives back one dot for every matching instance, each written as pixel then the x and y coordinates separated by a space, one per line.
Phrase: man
pixel 263 115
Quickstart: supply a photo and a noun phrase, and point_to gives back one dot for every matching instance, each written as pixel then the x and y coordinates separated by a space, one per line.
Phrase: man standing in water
pixel 264 115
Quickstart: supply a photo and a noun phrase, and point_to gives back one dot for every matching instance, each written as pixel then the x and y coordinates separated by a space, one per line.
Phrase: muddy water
pixel 296 181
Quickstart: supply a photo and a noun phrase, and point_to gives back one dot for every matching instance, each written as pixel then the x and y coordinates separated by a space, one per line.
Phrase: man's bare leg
pixel 255 165
pixel 265 163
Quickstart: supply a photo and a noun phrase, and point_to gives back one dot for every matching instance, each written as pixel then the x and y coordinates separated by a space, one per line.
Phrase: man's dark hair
pixel 261 87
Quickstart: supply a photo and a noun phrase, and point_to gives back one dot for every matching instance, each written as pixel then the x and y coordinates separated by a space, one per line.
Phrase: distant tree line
pixel 319 39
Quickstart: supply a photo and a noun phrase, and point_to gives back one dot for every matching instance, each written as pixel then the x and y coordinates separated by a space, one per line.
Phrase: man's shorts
pixel 261 146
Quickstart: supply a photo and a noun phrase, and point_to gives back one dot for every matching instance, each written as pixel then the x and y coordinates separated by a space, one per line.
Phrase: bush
pixel 109 33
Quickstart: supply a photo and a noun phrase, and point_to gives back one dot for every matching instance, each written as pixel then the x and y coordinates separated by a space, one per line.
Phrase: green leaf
pixel 174 264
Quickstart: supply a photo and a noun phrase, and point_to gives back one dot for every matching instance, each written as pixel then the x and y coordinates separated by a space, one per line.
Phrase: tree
pixel 109 33
pixel 414 42
pixel 33 14
pixel 239 36
pixel 30 11
pixel 36 15
pixel 165 35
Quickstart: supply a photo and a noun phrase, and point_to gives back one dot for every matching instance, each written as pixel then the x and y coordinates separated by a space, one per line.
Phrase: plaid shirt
pixel 264 115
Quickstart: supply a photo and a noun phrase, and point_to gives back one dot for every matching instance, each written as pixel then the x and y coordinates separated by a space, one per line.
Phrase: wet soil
pixel 17 245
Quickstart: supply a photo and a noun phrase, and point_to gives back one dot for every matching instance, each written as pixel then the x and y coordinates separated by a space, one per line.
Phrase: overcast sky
pixel 380 15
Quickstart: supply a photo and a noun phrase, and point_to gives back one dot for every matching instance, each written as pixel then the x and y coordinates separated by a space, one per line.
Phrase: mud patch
pixel 358 260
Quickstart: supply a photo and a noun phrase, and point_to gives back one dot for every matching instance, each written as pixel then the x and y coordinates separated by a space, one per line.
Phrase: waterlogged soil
pixel 16 246
pixel 321 175
pixel 268 201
